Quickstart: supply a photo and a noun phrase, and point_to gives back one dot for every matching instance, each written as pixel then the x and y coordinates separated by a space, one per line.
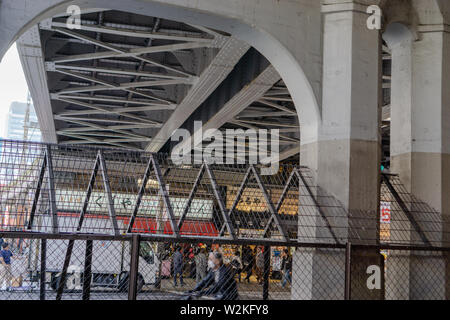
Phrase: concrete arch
pixel 270 27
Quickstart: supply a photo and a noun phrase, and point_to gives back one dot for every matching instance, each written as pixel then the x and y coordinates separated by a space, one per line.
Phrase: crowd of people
pixel 217 276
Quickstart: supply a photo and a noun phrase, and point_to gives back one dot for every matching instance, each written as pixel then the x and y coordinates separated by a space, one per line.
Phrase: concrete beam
pixel 32 59
pixel 249 94
pixel 224 62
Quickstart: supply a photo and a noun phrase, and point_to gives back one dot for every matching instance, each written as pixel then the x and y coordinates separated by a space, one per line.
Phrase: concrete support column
pixel 346 154
pixel 420 153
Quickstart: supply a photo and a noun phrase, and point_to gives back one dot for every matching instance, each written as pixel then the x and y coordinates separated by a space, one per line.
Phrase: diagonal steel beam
pixel 126 122
pixel 222 208
pixel 245 124
pixel 281 199
pixel 191 196
pixel 113 99
pixel 140 195
pixel 238 197
pixel 107 186
pixel 63 276
pixel 51 66
pixel 270 124
pixel 104 110
pixel 51 190
pixel 405 210
pixel 273 212
pixel 165 195
pixel 318 207
pixel 148 43
pixel 37 192
pixel 116 49
pixel 135 33
pixel 109 109
pixel 110 85
pixel 277 106
pixel 88 192
pixel 221 66
pixel 244 98
pixel 122 86
pixel 102 132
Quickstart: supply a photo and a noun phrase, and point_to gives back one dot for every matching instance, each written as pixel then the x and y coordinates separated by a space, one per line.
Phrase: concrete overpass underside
pixel 129 81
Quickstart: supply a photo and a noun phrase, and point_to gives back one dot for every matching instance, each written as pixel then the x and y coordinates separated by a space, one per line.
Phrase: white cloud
pixel 13 86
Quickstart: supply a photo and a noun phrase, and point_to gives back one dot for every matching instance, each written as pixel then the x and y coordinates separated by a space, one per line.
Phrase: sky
pixel 13 86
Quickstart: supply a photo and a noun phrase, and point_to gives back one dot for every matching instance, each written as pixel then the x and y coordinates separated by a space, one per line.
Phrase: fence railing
pixel 86 223
pixel 82 267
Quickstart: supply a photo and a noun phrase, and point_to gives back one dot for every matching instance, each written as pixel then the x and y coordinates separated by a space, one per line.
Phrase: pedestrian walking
pixel 178 266
pixel 5 266
pixel 201 263
pixel 259 265
pixel 236 264
pixel 286 266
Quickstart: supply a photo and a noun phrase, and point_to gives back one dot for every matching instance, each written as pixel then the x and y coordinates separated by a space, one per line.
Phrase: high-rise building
pixel 22 123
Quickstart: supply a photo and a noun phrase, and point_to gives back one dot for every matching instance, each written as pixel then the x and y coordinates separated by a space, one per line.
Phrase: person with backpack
pixel 236 264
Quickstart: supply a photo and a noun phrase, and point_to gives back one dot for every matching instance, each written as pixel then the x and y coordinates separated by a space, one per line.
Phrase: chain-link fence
pixel 42 268
pixel 85 223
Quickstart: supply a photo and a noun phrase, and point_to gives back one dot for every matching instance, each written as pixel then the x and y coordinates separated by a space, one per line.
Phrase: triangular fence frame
pixel 47 166
pixel 301 179
pixel 205 168
pixel 100 163
pixel 154 164
pixel 274 213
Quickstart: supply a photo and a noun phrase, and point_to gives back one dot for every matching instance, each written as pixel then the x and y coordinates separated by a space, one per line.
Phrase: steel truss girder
pixel 111 86
pixel 103 110
pixel 136 33
pixel 117 50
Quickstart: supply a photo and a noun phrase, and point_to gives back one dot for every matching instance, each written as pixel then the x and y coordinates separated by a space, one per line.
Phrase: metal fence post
pixel 348 271
pixel 266 272
pixel 87 274
pixel 134 267
pixel 43 267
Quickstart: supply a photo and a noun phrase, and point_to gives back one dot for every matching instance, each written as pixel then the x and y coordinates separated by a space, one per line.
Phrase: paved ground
pixel 167 291
pixel 94 296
